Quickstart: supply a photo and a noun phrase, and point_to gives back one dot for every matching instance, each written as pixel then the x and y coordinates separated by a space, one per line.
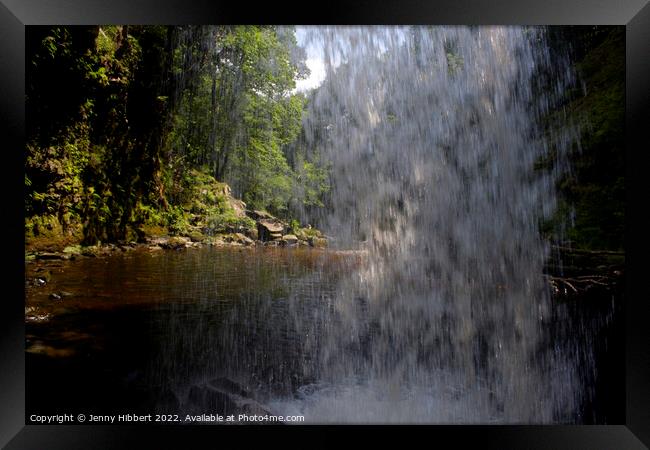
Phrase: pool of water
pixel 221 330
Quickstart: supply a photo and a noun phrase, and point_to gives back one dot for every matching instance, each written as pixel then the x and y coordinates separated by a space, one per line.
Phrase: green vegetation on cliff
pixel 592 203
pixel 130 127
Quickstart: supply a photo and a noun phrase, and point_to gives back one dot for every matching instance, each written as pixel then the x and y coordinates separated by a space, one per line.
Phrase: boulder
pixel 208 398
pixel 224 396
pixel 196 236
pixel 228 385
pixel 259 215
pixel 253 234
pixel 269 230
pixel 318 242
pixel 243 239
pixel 289 239
pixel 176 242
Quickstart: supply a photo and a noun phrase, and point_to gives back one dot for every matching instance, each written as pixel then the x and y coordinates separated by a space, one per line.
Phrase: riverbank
pixel 54 251
pixel 211 216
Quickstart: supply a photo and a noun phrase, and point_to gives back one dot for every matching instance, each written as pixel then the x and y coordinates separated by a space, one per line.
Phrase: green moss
pixel 228 221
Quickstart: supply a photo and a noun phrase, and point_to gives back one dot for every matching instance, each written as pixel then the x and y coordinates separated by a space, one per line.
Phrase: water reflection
pixel 250 330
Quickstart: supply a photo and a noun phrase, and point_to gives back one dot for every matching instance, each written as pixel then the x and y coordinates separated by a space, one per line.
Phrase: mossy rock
pixel 175 243
pixel 318 242
pixel 196 236
pixel 73 250
pixel 311 232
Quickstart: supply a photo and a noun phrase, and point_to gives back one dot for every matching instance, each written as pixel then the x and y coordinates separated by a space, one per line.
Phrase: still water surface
pixel 150 332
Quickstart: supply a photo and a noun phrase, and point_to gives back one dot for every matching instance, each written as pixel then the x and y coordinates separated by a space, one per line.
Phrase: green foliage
pixel 148 215
pixel 294 226
pixel 129 127
pixel 240 115
pixel 315 180
pixel 227 222
pixel 89 152
pixel 176 220
pixel 593 195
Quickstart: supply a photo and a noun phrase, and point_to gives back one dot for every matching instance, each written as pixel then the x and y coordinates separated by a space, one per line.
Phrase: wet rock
pixel 60 295
pixel 225 396
pixel 251 407
pixel 289 239
pixel 228 385
pixel 50 255
pixel 48 350
pixel 35 316
pixel 208 398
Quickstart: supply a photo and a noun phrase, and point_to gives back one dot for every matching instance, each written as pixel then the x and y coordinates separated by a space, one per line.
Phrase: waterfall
pixel 434 135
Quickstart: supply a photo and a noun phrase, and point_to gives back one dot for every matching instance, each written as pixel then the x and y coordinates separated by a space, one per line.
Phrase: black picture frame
pixel 16 14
